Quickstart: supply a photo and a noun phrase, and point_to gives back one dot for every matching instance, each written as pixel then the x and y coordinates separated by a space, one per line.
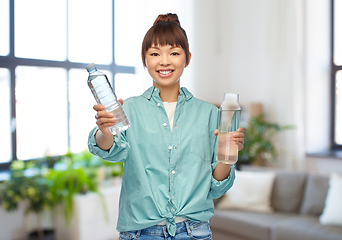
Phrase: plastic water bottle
pixel 105 95
pixel 229 121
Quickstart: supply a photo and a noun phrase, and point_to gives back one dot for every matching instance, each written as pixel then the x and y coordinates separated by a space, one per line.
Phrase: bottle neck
pixel 92 70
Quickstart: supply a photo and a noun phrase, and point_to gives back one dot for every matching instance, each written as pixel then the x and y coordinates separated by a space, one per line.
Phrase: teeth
pixel 165 72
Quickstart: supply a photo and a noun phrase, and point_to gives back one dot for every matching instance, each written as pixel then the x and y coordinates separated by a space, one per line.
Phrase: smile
pixel 165 73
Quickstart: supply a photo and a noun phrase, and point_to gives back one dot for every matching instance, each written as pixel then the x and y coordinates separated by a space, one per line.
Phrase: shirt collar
pixel 153 91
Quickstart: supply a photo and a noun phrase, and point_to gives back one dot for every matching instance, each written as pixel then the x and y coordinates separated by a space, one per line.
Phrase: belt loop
pixel 188 227
pixel 138 233
pixel 166 233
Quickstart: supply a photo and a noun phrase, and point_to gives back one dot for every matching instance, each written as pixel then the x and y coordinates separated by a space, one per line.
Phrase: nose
pixel 164 61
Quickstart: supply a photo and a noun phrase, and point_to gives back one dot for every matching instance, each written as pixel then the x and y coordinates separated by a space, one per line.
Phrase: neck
pixel 169 94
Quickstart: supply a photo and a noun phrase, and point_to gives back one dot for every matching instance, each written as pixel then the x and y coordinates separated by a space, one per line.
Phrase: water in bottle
pixel 105 95
pixel 229 121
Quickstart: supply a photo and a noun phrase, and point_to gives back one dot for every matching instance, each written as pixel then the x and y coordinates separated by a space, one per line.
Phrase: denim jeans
pixel 185 230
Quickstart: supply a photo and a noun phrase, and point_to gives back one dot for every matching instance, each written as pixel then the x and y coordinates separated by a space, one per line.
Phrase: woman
pixel 171 174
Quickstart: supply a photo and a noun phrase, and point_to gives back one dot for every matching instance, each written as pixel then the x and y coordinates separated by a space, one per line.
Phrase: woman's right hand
pixel 103 137
pixel 104 119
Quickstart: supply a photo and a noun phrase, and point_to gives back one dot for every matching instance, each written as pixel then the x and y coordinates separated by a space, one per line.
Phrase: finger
pixel 106 122
pixel 216 132
pixel 98 107
pixel 103 114
pixel 239 140
pixel 242 129
pixel 121 101
pixel 106 125
pixel 239 135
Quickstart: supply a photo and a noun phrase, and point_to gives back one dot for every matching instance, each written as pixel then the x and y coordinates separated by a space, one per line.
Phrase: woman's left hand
pixel 239 137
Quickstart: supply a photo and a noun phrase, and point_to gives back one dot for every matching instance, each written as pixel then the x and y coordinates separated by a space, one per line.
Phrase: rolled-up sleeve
pixel 117 153
pixel 218 188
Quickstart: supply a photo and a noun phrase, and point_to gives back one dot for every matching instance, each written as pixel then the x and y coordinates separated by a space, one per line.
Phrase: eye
pixel 154 54
pixel 174 53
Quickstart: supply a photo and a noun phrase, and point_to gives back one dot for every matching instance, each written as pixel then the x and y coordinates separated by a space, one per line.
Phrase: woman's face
pixel 165 64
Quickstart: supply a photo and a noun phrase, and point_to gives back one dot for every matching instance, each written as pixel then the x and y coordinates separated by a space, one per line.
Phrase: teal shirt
pixel 166 174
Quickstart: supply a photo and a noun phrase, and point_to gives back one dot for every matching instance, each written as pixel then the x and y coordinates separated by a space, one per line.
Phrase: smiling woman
pixel 165 64
pixel 165 53
pixel 159 35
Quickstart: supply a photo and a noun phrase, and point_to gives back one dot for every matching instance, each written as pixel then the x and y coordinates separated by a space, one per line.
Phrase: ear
pixel 188 60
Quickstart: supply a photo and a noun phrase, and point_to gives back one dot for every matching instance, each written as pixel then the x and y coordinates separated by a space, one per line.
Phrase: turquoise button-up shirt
pixel 166 174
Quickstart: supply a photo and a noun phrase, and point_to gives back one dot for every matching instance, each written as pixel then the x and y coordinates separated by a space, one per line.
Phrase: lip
pixel 165 72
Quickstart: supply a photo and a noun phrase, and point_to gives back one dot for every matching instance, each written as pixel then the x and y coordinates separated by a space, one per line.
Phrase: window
pixel 336 83
pixel 4 27
pixel 45 103
pixel 5 119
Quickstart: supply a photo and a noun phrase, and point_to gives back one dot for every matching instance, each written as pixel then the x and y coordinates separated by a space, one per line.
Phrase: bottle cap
pixel 90 67
pixel 231 102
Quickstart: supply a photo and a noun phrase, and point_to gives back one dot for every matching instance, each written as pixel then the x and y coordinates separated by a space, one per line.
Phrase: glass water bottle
pixel 229 121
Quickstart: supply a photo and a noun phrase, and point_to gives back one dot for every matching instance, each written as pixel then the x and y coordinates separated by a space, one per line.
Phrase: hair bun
pixel 169 17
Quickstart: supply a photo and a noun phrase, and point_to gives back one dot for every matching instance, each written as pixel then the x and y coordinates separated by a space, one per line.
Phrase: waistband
pixel 177 220
pixel 184 226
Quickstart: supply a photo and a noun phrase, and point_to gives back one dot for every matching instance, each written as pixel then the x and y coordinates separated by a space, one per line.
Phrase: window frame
pixel 334 69
pixel 11 62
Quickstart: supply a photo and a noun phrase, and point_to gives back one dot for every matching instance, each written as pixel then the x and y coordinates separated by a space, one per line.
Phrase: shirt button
pixel 173 171
pixel 158 104
pixel 177 126
pixel 164 124
pixel 170 147
pixel 173 197
pixel 155 89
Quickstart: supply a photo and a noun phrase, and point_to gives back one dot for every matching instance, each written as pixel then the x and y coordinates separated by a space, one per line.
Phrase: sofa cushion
pixel 251 191
pixel 305 227
pixel 288 191
pixel 332 212
pixel 314 195
pixel 247 225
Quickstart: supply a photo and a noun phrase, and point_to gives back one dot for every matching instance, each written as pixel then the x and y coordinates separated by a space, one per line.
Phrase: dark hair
pixel 166 30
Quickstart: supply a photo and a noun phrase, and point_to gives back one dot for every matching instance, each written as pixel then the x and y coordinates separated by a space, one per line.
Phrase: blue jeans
pixel 185 230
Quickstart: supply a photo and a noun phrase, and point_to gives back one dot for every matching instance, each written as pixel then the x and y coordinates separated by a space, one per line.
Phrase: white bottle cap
pixel 90 67
pixel 230 102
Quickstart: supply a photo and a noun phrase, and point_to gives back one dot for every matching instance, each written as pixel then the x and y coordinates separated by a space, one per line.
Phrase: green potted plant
pixel 108 173
pixel 47 182
pixel 258 145
pixel 35 189
pixel 70 177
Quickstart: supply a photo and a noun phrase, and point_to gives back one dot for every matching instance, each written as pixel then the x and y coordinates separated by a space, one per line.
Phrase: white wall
pixel 274 52
pixel 249 47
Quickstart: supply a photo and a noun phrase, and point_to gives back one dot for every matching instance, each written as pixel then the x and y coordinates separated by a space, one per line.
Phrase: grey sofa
pixel 297 199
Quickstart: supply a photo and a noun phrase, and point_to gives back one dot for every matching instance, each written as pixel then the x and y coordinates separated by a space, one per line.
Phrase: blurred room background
pixel 277 54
